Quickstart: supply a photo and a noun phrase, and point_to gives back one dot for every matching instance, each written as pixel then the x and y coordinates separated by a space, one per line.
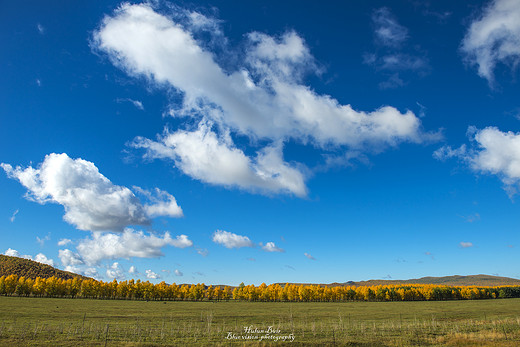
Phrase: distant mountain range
pixel 471 280
pixel 31 269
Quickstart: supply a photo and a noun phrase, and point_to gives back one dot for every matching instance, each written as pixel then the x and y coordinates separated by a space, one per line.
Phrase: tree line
pixel 139 290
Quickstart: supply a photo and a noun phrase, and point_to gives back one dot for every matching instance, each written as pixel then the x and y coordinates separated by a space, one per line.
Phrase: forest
pixel 139 290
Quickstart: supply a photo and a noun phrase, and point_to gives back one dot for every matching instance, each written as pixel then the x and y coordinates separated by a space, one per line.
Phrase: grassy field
pixel 84 322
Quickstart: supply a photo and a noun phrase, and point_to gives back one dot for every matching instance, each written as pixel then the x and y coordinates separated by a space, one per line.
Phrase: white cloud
pixel 202 251
pixel 494 38
pixel 91 272
pixel 387 30
pixel 182 241
pixel 90 200
pixel 466 244
pixel 202 155
pixel 69 259
pixel 230 240
pixel 72 262
pixel 263 98
pixel 144 42
pixel 133 270
pixel 162 203
pixel 498 153
pixel 178 273
pixel 309 256
pixel 493 152
pixel 13 216
pixel 271 247
pixel 12 252
pixel 152 275
pixel 128 244
pixel 115 271
pixel 42 258
pixel 64 242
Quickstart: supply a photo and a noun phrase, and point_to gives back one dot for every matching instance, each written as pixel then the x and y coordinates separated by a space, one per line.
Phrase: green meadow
pixel 84 322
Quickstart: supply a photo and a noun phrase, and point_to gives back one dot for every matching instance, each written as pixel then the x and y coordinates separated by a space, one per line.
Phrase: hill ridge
pixel 453 280
pixel 31 269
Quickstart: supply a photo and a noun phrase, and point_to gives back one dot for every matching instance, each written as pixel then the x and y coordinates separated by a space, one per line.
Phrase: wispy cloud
pixel 202 251
pixel 41 28
pixel 309 256
pixel 393 57
pixel 178 272
pixel 41 241
pixel 387 30
pixel 13 216
pixel 472 217
pixel 425 8
pixel 465 244
pixel 138 104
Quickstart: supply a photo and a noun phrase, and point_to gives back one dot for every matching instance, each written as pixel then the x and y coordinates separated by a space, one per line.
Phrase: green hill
pixel 31 269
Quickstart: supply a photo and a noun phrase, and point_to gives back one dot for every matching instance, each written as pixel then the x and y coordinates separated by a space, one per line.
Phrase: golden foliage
pixel 138 290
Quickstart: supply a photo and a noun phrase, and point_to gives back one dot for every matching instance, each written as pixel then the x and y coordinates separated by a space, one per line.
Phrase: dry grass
pixel 66 322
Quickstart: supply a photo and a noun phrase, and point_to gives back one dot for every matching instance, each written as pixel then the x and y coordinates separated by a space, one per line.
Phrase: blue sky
pixel 222 142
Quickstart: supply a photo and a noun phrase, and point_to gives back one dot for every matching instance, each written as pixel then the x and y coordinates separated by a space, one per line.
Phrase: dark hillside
pixel 31 269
